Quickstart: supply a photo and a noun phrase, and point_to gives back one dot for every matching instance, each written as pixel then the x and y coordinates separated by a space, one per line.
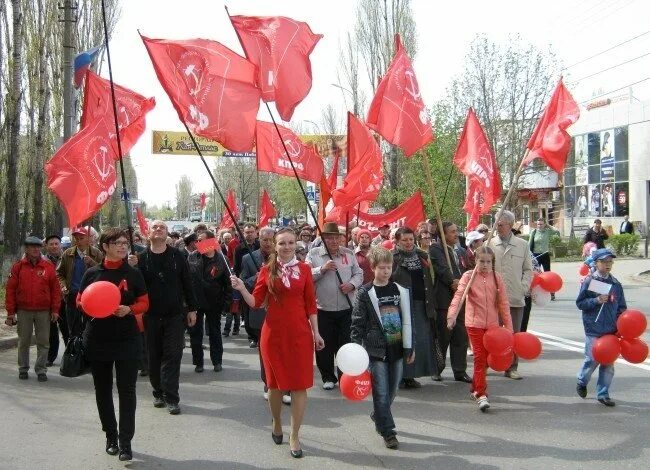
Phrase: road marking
pixel 577 346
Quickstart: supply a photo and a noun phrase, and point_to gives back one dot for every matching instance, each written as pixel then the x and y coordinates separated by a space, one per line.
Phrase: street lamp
pixel 316 126
pixel 354 100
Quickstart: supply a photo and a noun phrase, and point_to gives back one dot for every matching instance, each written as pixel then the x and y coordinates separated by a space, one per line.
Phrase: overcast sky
pixel 575 29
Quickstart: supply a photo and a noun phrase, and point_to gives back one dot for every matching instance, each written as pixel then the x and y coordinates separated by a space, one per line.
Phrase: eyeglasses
pixel 483 231
pixel 119 243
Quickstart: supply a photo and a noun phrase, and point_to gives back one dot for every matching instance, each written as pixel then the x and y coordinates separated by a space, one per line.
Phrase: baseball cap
pixel 473 236
pixel 602 253
pixel 80 231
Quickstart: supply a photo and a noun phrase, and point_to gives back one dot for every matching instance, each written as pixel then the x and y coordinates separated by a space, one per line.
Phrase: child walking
pixel 486 303
pixel 381 323
pixel 599 315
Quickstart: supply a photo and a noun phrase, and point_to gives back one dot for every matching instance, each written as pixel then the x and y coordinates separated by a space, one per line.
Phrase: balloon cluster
pixel 355 383
pixel 543 285
pixel 500 344
pixel 631 324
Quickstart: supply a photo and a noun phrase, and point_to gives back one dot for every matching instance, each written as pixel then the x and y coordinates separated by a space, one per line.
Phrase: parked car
pixel 195 217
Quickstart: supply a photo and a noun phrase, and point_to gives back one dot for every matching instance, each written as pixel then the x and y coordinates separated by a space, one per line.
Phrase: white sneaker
pixel 266 394
pixel 286 399
pixel 328 386
pixel 483 403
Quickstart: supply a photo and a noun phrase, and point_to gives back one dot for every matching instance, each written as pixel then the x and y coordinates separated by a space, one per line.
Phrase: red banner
pixel 142 222
pixel 208 244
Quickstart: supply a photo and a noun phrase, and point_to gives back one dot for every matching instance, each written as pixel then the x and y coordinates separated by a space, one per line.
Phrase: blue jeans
pixel 605 373
pixel 385 379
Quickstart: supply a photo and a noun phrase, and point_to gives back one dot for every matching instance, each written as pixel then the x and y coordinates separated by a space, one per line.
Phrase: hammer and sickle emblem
pixel 413 89
pixel 191 71
pixel 292 147
pixel 104 168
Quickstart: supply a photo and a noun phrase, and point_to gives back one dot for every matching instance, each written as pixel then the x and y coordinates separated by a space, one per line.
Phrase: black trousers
pixel 253 333
pixel 60 325
pixel 454 340
pixel 526 315
pixel 229 322
pixel 74 317
pixel 126 375
pixel 213 327
pixel 544 260
pixel 334 328
pixel 165 343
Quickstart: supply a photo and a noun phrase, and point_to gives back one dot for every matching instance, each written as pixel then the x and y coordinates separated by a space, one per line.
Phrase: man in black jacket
pixel 169 283
pixel 252 244
pixel 596 234
pixel 626 225
pixel 446 285
pixel 211 278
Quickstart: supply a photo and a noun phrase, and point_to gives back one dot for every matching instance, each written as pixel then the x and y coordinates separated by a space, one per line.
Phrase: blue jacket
pixel 590 307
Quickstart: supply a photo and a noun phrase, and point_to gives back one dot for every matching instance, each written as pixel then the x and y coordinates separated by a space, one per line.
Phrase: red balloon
pixel 606 349
pixel 498 340
pixel 535 281
pixel 356 388
pixel 100 299
pixel 527 346
pixel 550 281
pixel 584 270
pixel 634 350
pixel 388 244
pixel 631 324
pixel 500 362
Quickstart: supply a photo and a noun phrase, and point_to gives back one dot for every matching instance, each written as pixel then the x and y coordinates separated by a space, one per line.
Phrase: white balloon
pixel 352 359
pixel 540 297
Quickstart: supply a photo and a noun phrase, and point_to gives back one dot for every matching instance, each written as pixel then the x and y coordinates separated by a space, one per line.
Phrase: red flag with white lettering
pixel 365 175
pixel 280 48
pixel 271 156
pixel 550 140
pixel 131 108
pixel 397 111
pixel 475 159
pixel 267 211
pixel 212 88
pixel 82 172
pixel 226 220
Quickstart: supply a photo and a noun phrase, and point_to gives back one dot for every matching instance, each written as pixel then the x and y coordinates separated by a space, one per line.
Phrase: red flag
pixel 550 140
pixel 475 159
pixel 473 204
pixel 207 244
pixel 365 175
pixel 271 156
pixel 212 88
pixel 267 211
pixel 280 48
pixel 397 111
pixel 142 222
pixel 131 108
pixel 82 172
pixel 226 220
pixel 202 200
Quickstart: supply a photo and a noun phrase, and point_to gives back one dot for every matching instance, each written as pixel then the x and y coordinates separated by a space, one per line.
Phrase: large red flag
pixel 131 108
pixel 267 211
pixel 82 172
pixel 142 222
pixel 365 175
pixel 212 88
pixel 474 206
pixel 397 111
pixel 550 140
pixel 271 156
pixel 475 159
pixel 226 220
pixel 280 48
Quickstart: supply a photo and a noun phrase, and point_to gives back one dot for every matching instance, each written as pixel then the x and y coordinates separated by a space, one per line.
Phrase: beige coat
pixel 514 265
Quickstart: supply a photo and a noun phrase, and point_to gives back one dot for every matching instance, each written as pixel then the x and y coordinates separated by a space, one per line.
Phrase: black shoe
pixel 235 333
pixel 23 375
pixel 225 334
pixel 198 369
pixel 552 296
pixel 253 344
pixel 218 368
pixel 391 442
pixel 125 452
pixel 42 377
pixel 144 373
pixel 277 438
pixel 158 402
pixel 607 401
pixel 582 391
pixel 436 378
pixel 111 446
pixel 296 454
pixel 173 408
pixel 463 378
pixel 49 363
pixel 412 383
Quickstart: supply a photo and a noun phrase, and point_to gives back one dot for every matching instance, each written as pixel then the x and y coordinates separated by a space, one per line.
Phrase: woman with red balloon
pixel 602 301
pixel 113 294
pixel 486 303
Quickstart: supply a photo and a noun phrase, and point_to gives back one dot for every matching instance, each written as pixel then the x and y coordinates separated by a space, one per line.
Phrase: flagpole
pixel 125 194
pixel 444 196
pixel 434 200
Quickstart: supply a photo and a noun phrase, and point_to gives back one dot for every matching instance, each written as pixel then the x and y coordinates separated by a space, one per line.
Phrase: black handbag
pixel 74 361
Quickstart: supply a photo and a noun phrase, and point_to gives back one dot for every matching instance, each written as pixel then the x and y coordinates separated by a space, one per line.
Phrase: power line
pixel 614 91
pixel 606 50
pixel 612 67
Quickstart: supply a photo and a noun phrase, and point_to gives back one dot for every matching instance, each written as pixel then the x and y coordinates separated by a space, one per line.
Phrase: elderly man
pixel 74 262
pixel 34 295
pixel 514 264
pixel 384 234
pixel 626 226
pixel 334 300
pixel 596 234
pixel 364 239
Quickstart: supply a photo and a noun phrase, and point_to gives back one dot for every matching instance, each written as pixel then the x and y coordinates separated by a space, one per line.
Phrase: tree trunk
pixel 41 150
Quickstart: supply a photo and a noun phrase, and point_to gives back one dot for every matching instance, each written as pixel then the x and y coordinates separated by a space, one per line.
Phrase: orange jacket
pixel 33 287
pixel 485 302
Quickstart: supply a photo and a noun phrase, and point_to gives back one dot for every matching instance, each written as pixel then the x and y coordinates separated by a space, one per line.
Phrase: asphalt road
pixel 538 422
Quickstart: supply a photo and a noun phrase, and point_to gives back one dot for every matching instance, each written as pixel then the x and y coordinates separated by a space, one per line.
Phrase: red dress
pixel 287 342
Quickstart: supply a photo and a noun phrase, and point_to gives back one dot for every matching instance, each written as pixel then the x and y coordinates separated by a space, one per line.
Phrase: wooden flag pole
pixel 434 200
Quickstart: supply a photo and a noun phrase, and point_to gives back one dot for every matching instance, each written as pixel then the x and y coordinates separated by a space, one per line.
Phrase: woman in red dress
pixel 289 333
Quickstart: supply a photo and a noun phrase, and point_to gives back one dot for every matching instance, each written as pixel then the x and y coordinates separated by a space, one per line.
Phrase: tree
pixel 287 196
pixel 183 197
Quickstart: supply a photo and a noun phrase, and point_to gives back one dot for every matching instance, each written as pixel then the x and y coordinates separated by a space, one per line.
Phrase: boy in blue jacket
pixel 599 315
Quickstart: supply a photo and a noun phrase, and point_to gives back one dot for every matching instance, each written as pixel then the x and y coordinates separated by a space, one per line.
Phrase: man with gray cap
pixel 513 263
pixel 34 296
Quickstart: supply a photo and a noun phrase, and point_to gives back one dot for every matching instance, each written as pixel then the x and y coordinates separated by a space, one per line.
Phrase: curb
pixel 8 342
pixel 639 278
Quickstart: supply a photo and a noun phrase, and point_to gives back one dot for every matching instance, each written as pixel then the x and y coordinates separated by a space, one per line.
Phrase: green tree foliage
pixel 287 196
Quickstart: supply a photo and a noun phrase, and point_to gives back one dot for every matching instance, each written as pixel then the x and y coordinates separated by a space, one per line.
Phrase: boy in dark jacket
pixel 599 315
pixel 381 323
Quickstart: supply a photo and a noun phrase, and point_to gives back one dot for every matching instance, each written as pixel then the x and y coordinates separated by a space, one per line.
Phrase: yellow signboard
pixel 179 143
